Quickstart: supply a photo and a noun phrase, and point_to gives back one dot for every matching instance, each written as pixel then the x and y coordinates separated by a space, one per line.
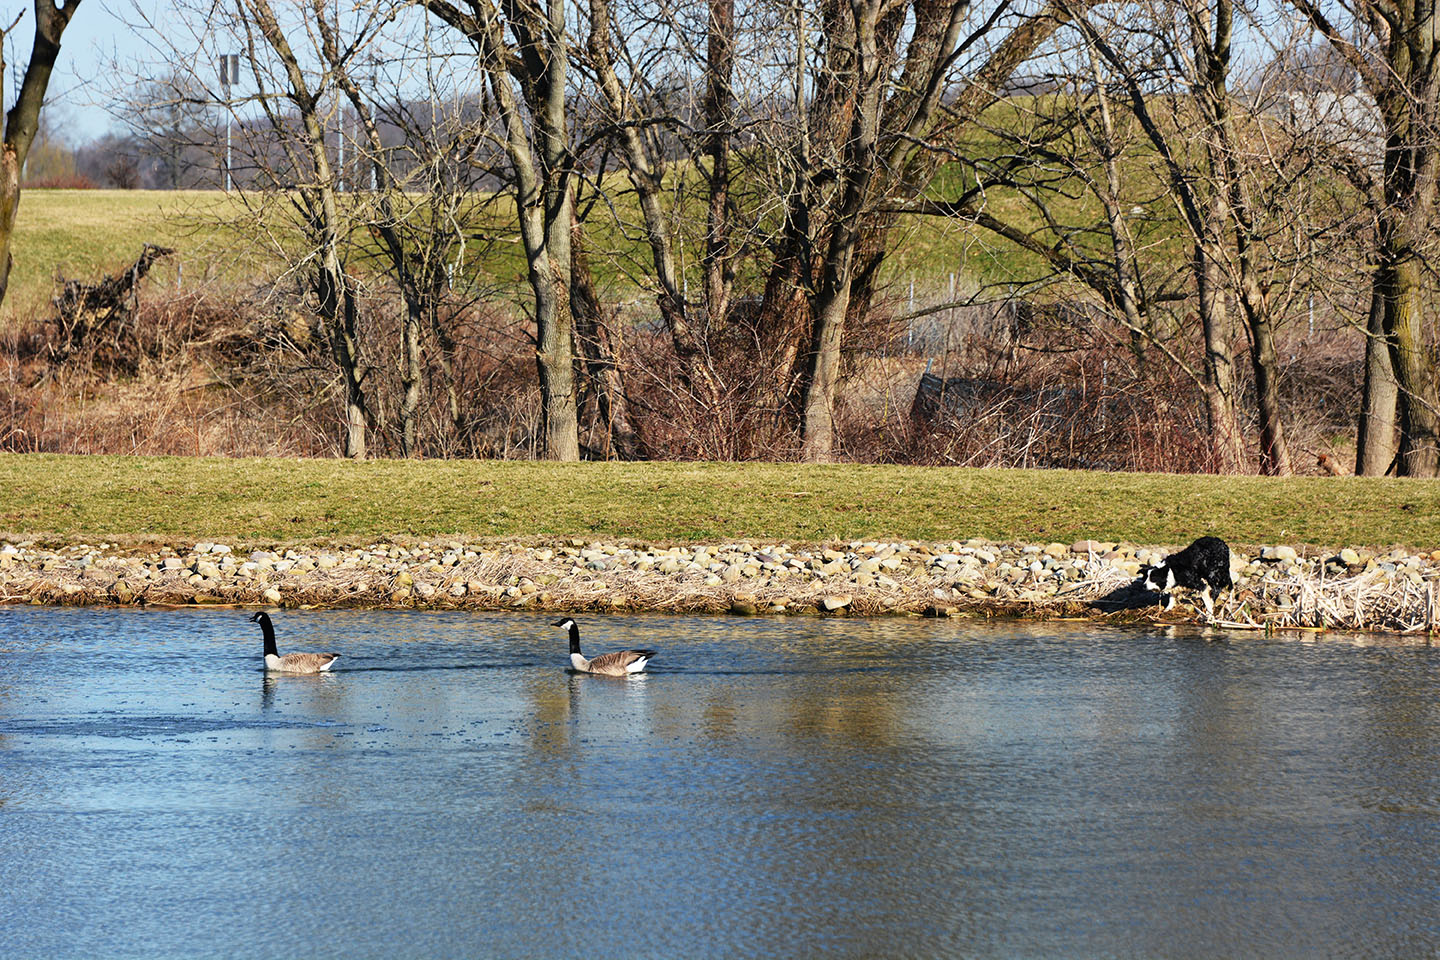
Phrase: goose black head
pixel 564 624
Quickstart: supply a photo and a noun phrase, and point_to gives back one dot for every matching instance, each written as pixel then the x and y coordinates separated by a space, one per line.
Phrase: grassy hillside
pixel 83 234
pixel 282 501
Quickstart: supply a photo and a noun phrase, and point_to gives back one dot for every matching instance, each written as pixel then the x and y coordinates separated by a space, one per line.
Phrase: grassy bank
pixel 288 501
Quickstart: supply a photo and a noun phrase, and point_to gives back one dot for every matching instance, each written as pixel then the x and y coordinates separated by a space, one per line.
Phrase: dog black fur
pixel 1204 565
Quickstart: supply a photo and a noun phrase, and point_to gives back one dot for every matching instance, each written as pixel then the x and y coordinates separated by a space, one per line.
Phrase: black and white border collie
pixel 1203 565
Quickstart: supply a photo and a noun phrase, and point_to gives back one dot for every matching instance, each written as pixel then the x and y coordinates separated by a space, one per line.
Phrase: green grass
pixel 85 234
pixel 288 501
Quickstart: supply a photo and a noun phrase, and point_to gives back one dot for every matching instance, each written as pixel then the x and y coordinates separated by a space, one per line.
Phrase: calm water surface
pixel 774 787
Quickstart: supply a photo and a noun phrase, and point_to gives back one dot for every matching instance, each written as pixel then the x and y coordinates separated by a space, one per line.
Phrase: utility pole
pixel 229 76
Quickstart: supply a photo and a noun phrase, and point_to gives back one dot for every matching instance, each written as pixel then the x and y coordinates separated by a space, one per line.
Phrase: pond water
pixel 773 787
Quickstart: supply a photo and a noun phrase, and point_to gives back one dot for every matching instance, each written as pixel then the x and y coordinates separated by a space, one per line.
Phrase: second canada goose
pixel 291 662
pixel 616 664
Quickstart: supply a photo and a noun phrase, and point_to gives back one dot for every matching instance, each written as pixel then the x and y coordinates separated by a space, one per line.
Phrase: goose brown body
pixel 301 662
pixel 618 664
pixel 291 662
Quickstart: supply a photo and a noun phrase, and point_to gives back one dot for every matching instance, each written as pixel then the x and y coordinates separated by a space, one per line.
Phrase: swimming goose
pixel 616 664
pixel 291 662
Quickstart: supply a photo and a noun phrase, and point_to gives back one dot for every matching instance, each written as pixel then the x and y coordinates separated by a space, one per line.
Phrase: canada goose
pixel 291 662
pixel 616 664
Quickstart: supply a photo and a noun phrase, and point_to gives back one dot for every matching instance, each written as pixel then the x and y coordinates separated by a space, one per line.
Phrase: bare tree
pixel 534 123
pixel 1391 47
pixel 315 202
pixel 23 119
pixel 888 89
pixel 418 214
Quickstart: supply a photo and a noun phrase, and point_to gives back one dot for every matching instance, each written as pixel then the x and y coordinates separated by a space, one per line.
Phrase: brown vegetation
pixel 995 384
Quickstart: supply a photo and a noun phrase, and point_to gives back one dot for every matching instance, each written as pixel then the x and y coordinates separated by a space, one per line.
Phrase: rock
pixel 271 595
pixel 173 563
pixel 837 601
pixel 1055 550
pixel 1350 558
pixel 743 608
pixel 1279 554
pixel 1091 546
pixel 425 590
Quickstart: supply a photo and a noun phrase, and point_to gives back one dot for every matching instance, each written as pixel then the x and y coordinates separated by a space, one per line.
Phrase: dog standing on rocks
pixel 1204 565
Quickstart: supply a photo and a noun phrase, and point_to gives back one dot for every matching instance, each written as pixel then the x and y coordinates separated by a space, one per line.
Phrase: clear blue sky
pixel 82 82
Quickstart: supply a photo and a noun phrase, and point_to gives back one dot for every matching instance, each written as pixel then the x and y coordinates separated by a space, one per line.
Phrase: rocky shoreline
pixel 1278 587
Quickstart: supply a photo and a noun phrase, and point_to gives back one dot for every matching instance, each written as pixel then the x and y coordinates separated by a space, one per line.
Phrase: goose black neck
pixel 574 637
pixel 269 629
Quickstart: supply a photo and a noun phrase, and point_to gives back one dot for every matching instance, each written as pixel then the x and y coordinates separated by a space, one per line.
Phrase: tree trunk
pixel 1414 371
pixel 1392 50
pixel 832 302
pixel 410 380
pixel 1375 437
pixel 719 69
pixel 23 119
pixel 1227 441
pixel 555 333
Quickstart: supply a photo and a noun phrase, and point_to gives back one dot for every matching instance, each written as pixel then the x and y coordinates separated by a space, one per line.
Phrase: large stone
pixel 837 601
pixel 1279 554
pixel 271 595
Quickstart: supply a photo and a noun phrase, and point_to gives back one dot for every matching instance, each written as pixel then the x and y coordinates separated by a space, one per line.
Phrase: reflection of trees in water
pixel 318 697
pixel 553 701
pixel 841 714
